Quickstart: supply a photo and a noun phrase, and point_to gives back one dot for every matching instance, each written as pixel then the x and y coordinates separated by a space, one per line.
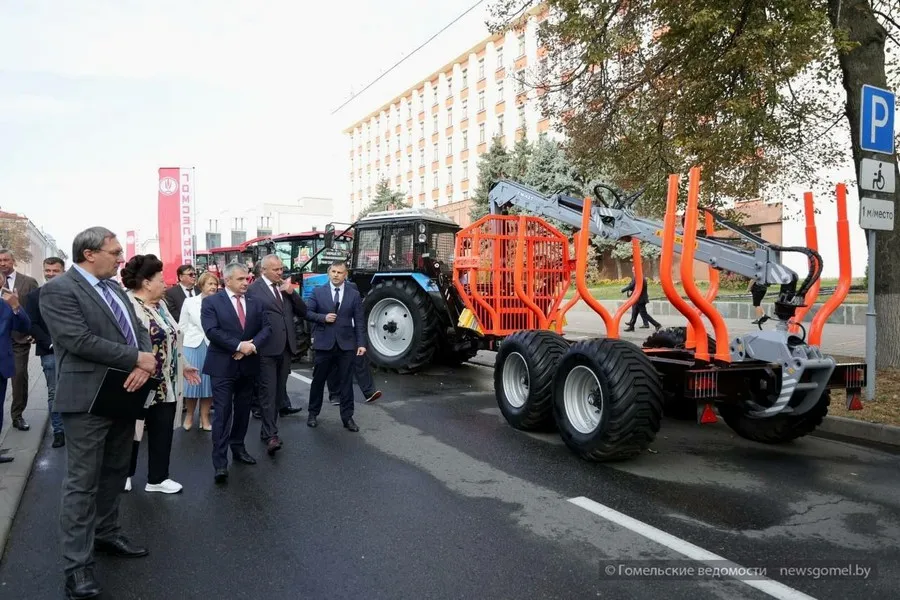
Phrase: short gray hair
pixel 7 251
pixel 230 268
pixel 92 238
pixel 271 257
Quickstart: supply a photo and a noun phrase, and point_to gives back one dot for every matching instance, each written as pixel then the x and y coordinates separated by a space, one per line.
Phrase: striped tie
pixel 121 319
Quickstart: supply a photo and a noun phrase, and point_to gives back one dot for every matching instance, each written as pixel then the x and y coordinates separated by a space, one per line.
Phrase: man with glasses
pixel 175 295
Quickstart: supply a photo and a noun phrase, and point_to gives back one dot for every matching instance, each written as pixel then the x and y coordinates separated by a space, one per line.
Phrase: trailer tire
pixel 675 405
pixel 630 396
pixel 523 378
pixel 779 429
pixel 404 306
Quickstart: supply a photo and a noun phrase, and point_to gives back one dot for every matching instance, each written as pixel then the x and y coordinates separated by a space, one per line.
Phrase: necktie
pixel 277 293
pixel 240 311
pixel 337 299
pixel 191 293
pixel 121 319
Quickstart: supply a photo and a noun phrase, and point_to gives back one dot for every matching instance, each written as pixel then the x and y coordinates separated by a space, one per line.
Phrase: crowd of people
pixel 223 346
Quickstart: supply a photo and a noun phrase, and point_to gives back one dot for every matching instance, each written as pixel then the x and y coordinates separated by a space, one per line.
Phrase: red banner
pixel 176 226
pixel 129 245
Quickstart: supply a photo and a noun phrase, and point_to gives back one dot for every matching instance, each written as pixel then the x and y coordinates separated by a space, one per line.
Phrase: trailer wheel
pixel 401 326
pixel 607 399
pixel 778 429
pixel 523 378
pixel 675 405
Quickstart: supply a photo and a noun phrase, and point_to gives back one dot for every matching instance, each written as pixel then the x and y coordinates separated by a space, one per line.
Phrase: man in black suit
pixel 235 325
pixel 639 307
pixel 279 300
pixel 23 285
pixel 175 295
pixel 362 373
pixel 53 266
pixel 338 335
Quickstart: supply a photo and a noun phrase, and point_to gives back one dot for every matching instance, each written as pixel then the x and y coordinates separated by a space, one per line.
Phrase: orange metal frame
pixel 812 242
pixel 843 286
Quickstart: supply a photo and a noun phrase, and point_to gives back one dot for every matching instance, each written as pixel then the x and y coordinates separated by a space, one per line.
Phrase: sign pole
pixel 870 322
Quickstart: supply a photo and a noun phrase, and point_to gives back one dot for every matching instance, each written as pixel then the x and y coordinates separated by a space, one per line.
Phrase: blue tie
pixel 337 299
pixel 117 312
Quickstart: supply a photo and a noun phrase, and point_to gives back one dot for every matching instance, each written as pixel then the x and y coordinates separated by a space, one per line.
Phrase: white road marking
pixel 301 378
pixel 768 586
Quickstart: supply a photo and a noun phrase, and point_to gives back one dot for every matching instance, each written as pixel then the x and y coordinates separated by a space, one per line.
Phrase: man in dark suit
pixel 362 373
pixel 13 318
pixel 44 346
pixel 236 325
pixel 338 334
pixel 281 303
pixel 93 327
pixel 175 295
pixel 23 285
pixel 639 307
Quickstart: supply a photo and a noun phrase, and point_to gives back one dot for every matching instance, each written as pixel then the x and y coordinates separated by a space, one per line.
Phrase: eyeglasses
pixel 119 254
pixel 191 274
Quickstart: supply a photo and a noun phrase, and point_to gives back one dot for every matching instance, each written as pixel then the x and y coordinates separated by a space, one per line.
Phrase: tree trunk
pixel 862 65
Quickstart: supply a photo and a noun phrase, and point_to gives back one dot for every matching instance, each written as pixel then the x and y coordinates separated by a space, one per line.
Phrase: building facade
pixel 36 242
pixel 426 141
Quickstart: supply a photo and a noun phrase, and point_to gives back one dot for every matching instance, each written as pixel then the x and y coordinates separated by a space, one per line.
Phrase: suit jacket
pixel 10 322
pixel 175 300
pixel 348 331
pixel 220 323
pixel 281 317
pixel 644 298
pixel 42 341
pixel 24 285
pixel 86 338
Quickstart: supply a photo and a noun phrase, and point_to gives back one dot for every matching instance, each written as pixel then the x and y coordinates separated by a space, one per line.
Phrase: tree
pixel 492 165
pixel 385 199
pixel 14 237
pixel 761 94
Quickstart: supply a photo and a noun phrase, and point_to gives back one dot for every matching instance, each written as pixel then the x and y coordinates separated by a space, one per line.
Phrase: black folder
pixel 113 401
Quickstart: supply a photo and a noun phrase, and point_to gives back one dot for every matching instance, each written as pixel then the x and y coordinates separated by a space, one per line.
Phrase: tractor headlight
pixel 422 237
pixel 421 227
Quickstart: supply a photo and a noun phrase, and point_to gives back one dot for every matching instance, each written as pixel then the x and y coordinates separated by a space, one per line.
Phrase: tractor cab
pixel 404 241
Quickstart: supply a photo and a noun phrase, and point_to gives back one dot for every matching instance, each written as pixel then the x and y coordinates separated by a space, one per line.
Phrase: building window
pixel 481 133
pixel 499 58
pixel 213 240
pixel 449 146
pixel 522 116
pixel 465 141
pixel 421 156
pixel 434 123
pixel 465 107
pixel 500 91
pixel 480 101
pixel 421 130
pixel 480 68
pixel 465 78
pixel 449 86
pixel 398 143
pixel 500 125
pixel 522 44
pixel 465 194
pixel 450 174
pixel 465 169
pixel 434 93
pixel 520 78
pixel 434 178
pixel 238 237
pixel 409 109
pixel 436 155
pixel 449 116
pixel 422 183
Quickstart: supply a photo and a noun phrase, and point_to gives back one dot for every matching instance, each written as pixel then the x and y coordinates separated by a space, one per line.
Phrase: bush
pixel 733 281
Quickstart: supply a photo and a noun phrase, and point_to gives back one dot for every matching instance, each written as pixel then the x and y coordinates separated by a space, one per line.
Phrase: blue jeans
pixel 48 363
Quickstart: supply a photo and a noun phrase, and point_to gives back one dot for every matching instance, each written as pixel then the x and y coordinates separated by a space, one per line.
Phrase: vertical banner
pixel 130 243
pixel 175 216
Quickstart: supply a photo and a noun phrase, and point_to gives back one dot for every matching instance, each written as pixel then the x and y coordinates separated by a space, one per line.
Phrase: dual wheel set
pixel 606 398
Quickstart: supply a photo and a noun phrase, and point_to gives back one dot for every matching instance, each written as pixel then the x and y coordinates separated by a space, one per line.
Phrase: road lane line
pixel 301 378
pixel 768 586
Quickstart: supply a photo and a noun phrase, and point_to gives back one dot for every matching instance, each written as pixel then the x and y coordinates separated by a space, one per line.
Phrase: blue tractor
pixel 401 261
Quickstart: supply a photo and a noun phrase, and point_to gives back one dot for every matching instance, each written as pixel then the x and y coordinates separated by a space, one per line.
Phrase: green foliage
pixel 492 165
pixel 14 237
pixel 385 198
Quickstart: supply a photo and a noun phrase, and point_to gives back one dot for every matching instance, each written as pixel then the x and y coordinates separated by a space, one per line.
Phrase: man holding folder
pixel 94 328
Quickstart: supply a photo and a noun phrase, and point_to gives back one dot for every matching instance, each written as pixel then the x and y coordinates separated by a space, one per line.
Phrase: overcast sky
pixel 96 95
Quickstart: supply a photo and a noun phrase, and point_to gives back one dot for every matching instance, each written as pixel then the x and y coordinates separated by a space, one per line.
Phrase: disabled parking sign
pixel 876 132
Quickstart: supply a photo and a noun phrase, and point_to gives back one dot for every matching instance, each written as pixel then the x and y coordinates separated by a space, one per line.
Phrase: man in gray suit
pixel 23 285
pixel 93 326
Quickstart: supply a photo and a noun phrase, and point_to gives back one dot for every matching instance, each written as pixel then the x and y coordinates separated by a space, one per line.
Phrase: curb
pixel 862 431
pixel 23 447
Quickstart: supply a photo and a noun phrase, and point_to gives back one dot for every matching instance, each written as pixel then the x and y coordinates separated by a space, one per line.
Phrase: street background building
pixel 40 244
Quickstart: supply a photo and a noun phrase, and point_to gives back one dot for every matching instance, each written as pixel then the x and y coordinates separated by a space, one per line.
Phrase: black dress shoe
pixel 81 584
pixel 221 475
pixel 273 446
pixel 120 546
pixel 290 410
pixel 20 424
pixel 59 440
pixel 311 421
pixel 351 425
pixel 256 414
pixel 243 456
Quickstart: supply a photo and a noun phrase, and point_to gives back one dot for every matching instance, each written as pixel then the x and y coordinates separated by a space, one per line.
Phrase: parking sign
pixel 877 120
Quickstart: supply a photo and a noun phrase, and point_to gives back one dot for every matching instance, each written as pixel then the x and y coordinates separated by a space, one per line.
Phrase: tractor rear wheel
pixel 778 429
pixel 523 378
pixel 607 399
pixel 401 326
pixel 675 405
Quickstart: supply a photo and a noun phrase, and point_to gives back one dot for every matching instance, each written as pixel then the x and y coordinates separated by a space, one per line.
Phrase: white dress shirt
pixel 272 291
pixel 10 281
pixel 188 293
pixel 189 321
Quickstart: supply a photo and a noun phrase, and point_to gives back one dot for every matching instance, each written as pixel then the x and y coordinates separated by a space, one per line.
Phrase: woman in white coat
pixel 195 346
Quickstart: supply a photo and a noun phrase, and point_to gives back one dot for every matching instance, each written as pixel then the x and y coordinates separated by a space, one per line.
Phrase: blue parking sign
pixel 877 120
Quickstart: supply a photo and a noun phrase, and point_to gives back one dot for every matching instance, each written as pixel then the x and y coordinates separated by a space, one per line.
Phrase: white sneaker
pixel 166 487
pixel 128 484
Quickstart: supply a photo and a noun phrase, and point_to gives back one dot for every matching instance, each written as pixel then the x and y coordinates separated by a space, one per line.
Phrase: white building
pixel 41 245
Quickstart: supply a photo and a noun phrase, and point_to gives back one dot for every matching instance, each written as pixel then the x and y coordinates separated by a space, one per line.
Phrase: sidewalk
pixel 21 445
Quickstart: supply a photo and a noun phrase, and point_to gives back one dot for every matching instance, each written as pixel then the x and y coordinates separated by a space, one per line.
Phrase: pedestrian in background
pixel 757 293
pixel 639 307
pixel 44 346
pixel 142 276
pixel 181 291
pixel 13 318
pixel 94 327
pixel 195 346
pixel 23 285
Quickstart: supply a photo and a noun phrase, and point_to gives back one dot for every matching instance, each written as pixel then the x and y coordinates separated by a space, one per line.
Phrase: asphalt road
pixel 437 497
